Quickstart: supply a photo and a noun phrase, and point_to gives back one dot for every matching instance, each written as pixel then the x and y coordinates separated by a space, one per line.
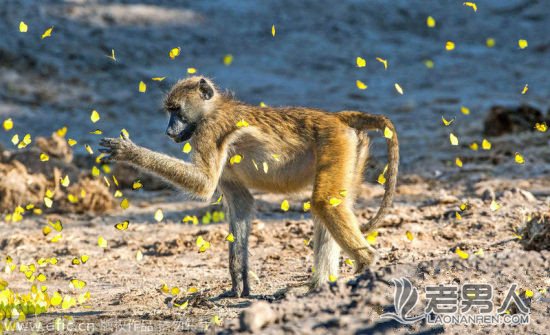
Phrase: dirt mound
pixel 60 157
pixel 92 194
pixel 19 187
pixel 25 179
pixel 55 146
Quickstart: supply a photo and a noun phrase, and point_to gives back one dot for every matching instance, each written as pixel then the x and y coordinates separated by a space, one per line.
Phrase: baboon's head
pixel 188 101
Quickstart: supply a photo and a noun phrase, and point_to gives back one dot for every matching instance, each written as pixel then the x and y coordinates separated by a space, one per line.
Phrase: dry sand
pixel 126 293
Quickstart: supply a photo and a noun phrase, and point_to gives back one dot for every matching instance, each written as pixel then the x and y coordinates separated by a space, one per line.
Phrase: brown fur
pixel 315 148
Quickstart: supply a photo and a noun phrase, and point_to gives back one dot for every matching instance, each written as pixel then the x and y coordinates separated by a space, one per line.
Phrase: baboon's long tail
pixel 364 121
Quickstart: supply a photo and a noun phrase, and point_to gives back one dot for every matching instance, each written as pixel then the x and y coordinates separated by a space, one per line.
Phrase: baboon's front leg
pixel 199 180
pixel 239 203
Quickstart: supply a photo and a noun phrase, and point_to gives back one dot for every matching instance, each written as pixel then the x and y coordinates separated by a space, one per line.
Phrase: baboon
pixel 282 150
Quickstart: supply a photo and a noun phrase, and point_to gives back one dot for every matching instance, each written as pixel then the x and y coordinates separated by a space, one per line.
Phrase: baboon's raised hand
pixel 280 150
pixel 117 149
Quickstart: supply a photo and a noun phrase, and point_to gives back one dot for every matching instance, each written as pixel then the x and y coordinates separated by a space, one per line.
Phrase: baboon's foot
pixel 365 262
pixel 239 291
pixel 316 283
pixel 368 257
pixel 245 292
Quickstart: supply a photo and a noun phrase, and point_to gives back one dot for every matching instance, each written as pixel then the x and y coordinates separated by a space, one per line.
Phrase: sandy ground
pixel 55 82
pixel 126 293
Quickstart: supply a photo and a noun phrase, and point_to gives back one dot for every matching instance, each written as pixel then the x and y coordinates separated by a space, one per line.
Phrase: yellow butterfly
pixel 47 33
pixel 7 124
pixel 398 88
pixel 462 254
pixel 519 158
pixel 122 225
pixel 235 159
pixel 388 133
pixel 124 204
pixel 23 27
pixel 89 149
pixel 175 52
pixel 94 117
pixel 202 244
pixel 136 185
pixel 65 181
pixel 142 87
pixel 285 205
pixel 333 201
pixel 56 225
pixel 360 85
pixel 227 60
pixel 383 61
pixel 159 215
pixel 471 5
pixel 102 242
pixel 112 55
pixel 186 148
pixel 242 123
pixel 371 237
pixel 542 127
pixel 78 284
pixel 447 122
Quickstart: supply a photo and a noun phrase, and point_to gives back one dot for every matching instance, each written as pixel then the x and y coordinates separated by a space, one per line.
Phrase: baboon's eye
pixel 173 109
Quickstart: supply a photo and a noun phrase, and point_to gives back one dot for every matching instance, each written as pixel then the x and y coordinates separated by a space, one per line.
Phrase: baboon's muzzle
pixel 179 130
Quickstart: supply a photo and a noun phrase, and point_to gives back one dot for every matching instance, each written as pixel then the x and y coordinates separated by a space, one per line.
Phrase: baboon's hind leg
pixel 239 203
pixel 326 254
pixel 336 172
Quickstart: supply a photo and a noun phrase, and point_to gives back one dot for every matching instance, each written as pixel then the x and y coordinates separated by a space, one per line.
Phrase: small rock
pixel 502 120
pixel 257 316
pixel 528 196
pixel 448 234
pixel 488 194
pixel 536 233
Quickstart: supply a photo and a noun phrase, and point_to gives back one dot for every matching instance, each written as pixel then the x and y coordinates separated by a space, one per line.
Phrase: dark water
pixel 45 84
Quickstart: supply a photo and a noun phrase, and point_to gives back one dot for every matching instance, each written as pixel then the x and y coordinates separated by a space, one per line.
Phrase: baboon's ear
pixel 206 91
